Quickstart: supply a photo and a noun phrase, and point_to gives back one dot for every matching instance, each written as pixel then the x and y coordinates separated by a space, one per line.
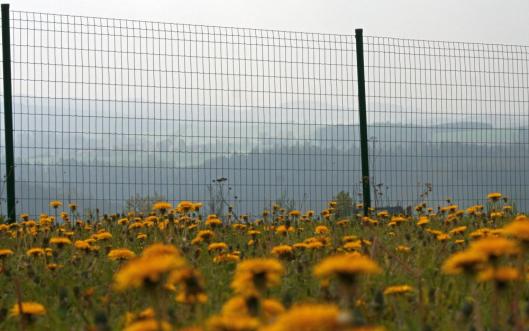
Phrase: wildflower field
pixel 177 268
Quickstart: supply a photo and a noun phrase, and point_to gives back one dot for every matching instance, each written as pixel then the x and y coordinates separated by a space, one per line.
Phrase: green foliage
pixel 344 205
pixel 283 201
pixel 142 204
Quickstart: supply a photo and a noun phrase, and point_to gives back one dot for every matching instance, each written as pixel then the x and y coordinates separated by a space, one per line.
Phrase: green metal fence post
pixel 8 116
pixel 366 187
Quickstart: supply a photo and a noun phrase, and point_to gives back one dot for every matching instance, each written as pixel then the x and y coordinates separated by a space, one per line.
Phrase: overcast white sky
pixel 495 21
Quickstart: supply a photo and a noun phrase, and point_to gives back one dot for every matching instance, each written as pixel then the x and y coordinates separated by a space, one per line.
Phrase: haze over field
pixel 102 161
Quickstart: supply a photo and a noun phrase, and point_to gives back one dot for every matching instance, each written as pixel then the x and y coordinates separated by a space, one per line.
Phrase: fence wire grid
pixel 110 110
pixel 450 115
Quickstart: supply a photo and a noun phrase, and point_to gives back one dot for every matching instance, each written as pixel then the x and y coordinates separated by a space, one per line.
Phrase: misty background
pixel 106 109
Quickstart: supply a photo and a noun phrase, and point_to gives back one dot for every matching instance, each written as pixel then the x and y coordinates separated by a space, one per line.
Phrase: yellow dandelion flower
pixel 442 237
pixel 205 234
pixel 60 241
pixel 349 238
pixel 521 217
pixel 301 246
pixel 82 244
pixel 191 328
pixel 353 245
pixel 452 208
pixel 158 249
pixel 343 222
pixel 282 250
pixel 249 306
pixel 398 219
pixel 69 234
pixel 103 235
pixel 123 221
pixel 518 229
pixel 458 230
pixel 423 220
pixel 146 270
pixel 197 206
pixel 321 229
pixel 473 210
pixel 500 275
pixel 120 254
pixel 239 226
pixel 398 289
pixel 434 232
pixel 346 267
pixel 495 246
pixel 55 204
pixel 403 249
pixel 496 215
pixel 257 275
pixel 314 245
pixel 479 233
pixel 36 251
pixel 136 225
pixel 229 257
pixel 147 313
pixel 54 266
pixel 283 229
pixel 162 206
pixel 219 246
pixel 494 196
pixel 294 213
pixel 383 214
pixel 149 325
pixel 5 252
pixel 28 309
pixel 185 206
pixel 309 317
pixel 254 233
pixel 189 284
pixel 466 261
pixel 228 323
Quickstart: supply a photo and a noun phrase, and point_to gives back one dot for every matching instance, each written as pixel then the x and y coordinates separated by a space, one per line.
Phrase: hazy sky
pixel 495 21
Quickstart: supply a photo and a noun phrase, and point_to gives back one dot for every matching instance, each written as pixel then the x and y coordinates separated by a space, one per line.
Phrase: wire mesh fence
pixel 449 117
pixel 109 113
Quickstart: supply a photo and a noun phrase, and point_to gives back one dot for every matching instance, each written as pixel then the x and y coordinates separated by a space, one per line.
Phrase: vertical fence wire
pixel 109 112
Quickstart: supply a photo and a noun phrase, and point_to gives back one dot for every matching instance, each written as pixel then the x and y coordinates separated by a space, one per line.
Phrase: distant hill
pixel 309 174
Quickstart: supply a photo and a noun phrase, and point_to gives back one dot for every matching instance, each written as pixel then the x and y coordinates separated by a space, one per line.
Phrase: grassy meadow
pixel 177 268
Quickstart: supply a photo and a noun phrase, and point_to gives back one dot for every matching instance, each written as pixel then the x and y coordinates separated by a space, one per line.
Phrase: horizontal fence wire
pixel 447 118
pixel 109 113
